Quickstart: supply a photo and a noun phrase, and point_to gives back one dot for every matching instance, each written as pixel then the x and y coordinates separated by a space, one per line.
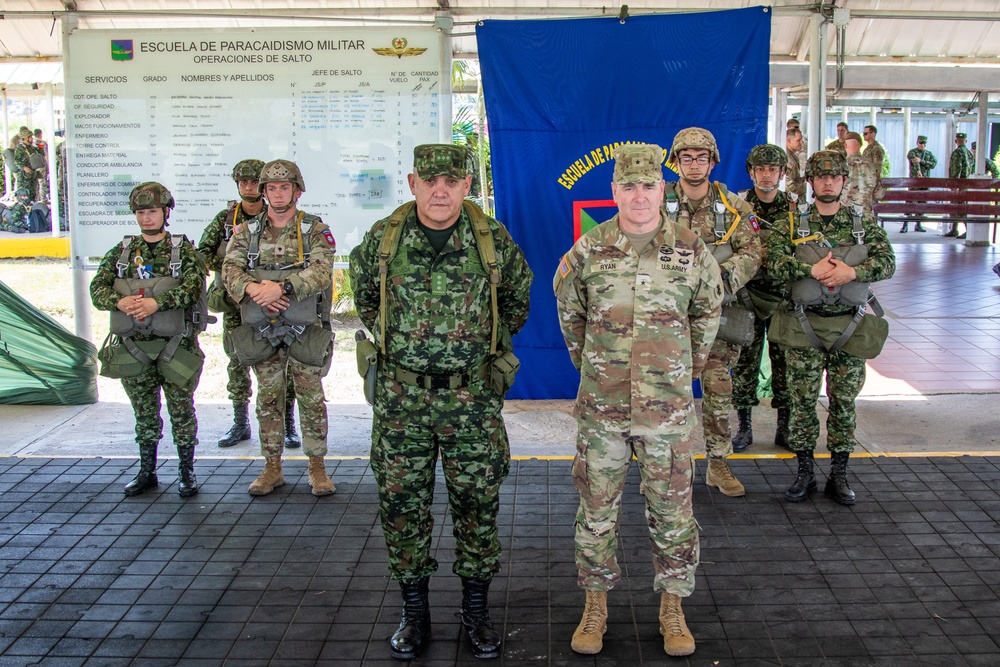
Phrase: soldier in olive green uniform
pixel 639 300
pixel 26 176
pixel 828 258
pixel 991 167
pixel 213 244
pixel 729 228
pixel 155 324
pixel 962 165
pixel 765 165
pixel 279 268
pixel 435 319
pixel 921 162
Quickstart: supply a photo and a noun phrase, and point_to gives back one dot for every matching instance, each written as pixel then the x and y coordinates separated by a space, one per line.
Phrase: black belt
pixel 439 380
pixel 823 313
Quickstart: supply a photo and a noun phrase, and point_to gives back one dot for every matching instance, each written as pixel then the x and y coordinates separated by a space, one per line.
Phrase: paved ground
pixel 908 576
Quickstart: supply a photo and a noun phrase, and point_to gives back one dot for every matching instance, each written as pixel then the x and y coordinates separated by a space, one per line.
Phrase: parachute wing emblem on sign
pixel 399 49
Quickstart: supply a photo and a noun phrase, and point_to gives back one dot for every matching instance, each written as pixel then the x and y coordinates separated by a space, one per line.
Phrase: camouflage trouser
pixel 273 377
pixel 747 372
pixel 27 181
pixel 717 398
pixel 666 467
pixel 412 427
pixel 239 386
pixel 143 392
pixel 845 376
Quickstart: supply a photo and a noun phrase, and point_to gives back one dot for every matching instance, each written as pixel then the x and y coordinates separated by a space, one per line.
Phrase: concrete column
pixel 51 158
pixel 7 169
pixel 907 142
pixel 780 107
pixel 978 233
pixel 817 83
pixel 444 22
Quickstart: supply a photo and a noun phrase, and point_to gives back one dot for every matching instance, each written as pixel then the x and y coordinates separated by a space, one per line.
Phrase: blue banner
pixel 561 94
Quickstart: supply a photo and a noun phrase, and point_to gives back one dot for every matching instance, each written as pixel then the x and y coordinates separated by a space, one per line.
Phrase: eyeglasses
pixel 687 160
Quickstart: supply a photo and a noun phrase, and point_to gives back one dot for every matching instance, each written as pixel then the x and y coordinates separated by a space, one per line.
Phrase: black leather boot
pixel 292 440
pixel 241 426
pixel 415 625
pixel 919 228
pixel 836 484
pixel 902 230
pixel 781 429
pixel 187 483
pixel 146 479
pixel 805 481
pixel 744 433
pixel 486 642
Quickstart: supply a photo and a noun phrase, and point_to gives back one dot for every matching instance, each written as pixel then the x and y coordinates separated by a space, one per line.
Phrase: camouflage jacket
pixel 963 164
pixel 216 236
pixel 22 156
pixel 837 145
pixel 768 214
pixel 16 220
pixel 782 264
pixel 638 327
pixel 991 168
pixel 438 312
pixel 747 248
pixel 156 263
pixel 795 179
pixel 864 181
pixel 923 168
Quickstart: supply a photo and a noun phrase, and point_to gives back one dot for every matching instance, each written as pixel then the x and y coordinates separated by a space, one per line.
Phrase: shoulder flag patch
pixel 328 235
pixel 238 228
pixel 754 222
pixel 564 268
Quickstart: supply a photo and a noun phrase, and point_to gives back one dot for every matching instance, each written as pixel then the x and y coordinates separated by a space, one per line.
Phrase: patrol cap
pixel 431 160
pixel 638 163
pixel 921 139
pixel 822 163
pixel 960 135
pixel 150 195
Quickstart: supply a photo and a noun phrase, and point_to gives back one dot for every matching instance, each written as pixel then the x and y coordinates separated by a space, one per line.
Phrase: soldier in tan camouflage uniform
pixel 728 227
pixel 864 180
pixel 839 144
pixel 639 301
pixel 212 247
pixel 795 180
pixel 279 268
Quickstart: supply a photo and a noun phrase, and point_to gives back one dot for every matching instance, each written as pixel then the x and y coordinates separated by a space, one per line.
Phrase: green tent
pixel 40 362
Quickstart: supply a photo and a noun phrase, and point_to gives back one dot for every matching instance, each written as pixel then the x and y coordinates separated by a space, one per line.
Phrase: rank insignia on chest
pixel 754 222
pixel 328 235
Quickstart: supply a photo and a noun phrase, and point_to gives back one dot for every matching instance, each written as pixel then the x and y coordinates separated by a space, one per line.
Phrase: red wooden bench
pixel 968 200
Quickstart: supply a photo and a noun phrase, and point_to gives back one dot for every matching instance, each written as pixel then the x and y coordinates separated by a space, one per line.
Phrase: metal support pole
pixel 979 234
pixel 444 22
pixel 8 170
pixel 50 157
pixel 817 82
pixel 780 115
pixel 907 142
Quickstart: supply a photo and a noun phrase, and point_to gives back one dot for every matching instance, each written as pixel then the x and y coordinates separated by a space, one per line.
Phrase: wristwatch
pixel 286 288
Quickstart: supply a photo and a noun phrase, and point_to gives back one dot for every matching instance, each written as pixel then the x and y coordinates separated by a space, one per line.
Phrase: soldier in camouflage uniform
pixel 921 162
pixel 639 300
pixel 213 244
pixel 839 144
pixel 26 177
pixel 831 222
pixel 864 182
pixel 795 181
pixel 432 397
pixel 869 134
pixel 991 167
pixel 700 205
pixel 148 256
pixel 15 219
pixel 765 165
pixel 962 165
pixel 279 265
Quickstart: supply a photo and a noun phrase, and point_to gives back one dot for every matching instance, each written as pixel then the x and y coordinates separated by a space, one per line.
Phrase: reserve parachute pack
pixel 856 333
pixel 219 300
pixel 501 369
pixel 304 327
pixel 123 356
pixel 736 321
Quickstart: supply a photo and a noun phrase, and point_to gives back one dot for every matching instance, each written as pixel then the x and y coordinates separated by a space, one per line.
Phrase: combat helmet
pixel 280 171
pixel 248 170
pixel 822 163
pixel 22 193
pixel 25 133
pixel 767 154
pixel 150 195
pixel 697 138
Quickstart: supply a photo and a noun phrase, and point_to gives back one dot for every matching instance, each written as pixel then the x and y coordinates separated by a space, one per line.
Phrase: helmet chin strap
pixel 827 199
pixel 280 209
pixel 762 188
pixel 251 200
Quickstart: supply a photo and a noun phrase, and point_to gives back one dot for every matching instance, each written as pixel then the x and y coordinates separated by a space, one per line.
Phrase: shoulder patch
pixel 564 267
pixel 328 235
pixel 238 228
pixel 754 222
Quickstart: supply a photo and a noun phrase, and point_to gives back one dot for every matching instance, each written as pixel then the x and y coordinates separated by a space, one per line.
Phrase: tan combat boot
pixel 677 639
pixel 270 478
pixel 589 636
pixel 719 475
pixel 318 479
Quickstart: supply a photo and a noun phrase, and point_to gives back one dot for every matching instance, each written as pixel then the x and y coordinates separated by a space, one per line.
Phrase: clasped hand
pixel 269 295
pixel 831 272
pixel 137 306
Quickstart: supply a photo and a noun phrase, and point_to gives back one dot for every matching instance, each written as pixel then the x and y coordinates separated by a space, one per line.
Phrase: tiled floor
pixel 910 575
pixel 943 304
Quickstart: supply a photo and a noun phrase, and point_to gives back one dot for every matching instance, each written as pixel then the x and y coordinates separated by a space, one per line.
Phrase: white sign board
pixel 182 107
